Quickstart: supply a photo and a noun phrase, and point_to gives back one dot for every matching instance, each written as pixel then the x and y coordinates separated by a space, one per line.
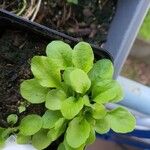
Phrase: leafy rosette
pixel 75 91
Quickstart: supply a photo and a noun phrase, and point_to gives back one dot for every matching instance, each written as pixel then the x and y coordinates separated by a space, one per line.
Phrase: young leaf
pixel 102 86
pixel 78 132
pixel 105 97
pixel 40 140
pixel 86 101
pixel 21 109
pixel 71 107
pixel 21 139
pixel 98 111
pixel 104 92
pixel 54 99
pixel 30 125
pixel 68 147
pixel 2 139
pixel 50 118
pixel 12 119
pixel 119 94
pixel 92 137
pixel 83 56
pixel 59 128
pixel 33 92
pixel 46 71
pixel 77 79
pixel 61 146
pixel 60 53
pixel 121 121
pixel 102 69
pixel 90 118
pixel 102 126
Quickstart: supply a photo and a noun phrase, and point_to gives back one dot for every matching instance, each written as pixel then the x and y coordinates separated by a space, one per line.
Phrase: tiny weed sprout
pixel 74 91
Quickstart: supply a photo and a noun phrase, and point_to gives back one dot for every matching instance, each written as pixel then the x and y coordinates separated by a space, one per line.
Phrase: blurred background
pixel 137 66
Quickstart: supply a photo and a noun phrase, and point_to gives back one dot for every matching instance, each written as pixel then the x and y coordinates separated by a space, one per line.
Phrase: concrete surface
pixel 141 50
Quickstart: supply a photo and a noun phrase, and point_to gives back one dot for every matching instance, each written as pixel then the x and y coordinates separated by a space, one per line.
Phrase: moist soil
pixel 88 20
pixel 16 50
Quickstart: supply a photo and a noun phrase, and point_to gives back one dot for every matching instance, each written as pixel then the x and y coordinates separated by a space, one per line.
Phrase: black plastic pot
pixel 8 20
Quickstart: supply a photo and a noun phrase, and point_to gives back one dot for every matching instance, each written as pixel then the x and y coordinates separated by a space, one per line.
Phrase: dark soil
pixel 88 20
pixel 15 54
pixel 16 51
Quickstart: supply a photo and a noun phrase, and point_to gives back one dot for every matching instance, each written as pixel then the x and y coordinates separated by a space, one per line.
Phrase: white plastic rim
pixel 11 144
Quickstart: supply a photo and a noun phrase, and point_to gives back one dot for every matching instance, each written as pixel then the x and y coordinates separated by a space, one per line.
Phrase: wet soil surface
pixel 15 54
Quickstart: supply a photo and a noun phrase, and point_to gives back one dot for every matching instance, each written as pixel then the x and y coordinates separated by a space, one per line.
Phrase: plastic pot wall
pixel 124 28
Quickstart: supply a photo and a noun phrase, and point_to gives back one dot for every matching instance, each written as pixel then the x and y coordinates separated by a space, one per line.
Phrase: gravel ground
pixel 137 70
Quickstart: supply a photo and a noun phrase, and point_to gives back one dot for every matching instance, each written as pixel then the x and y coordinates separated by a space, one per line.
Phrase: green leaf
pixel 40 140
pixel 68 147
pixel 101 86
pixel 33 92
pixel 119 94
pixel 60 122
pixel 46 71
pixel 90 118
pixel 73 1
pixel 78 132
pixel 21 139
pixel 83 56
pixel 92 137
pixel 71 107
pixel 98 111
pixel 2 139
pixel 54 99
pixel 60 53
pixel 59 128
pixel 121 120
pixel 12 119
pixel 86 101
pixel 102 69
pixel 30 125
pixel 61 146
pixel 102 126
pixel 50 118
pixel 6 133
pixel 77 79
pixel 21 109
pixel 107 91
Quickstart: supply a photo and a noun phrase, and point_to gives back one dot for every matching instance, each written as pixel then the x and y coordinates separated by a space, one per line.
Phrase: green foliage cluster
pixel 75 92
pixel 144 32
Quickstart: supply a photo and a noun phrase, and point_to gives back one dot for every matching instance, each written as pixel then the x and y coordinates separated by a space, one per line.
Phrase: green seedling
pixel 12 119
pixel 74 91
